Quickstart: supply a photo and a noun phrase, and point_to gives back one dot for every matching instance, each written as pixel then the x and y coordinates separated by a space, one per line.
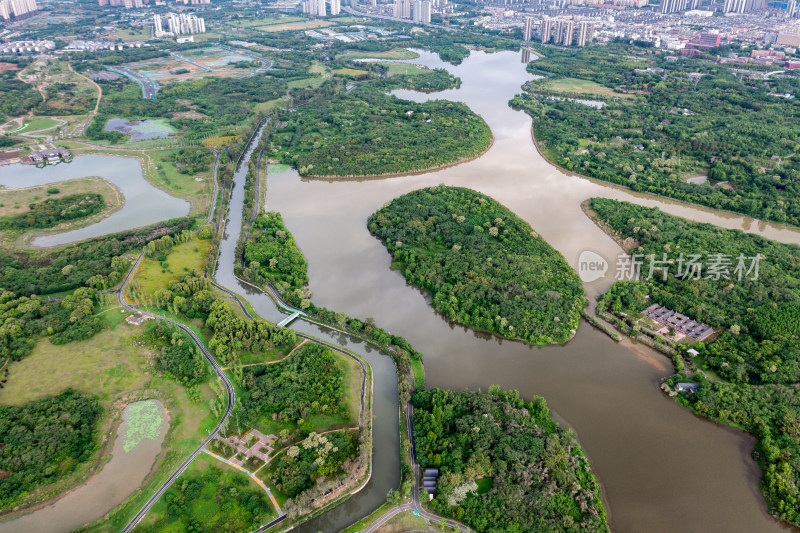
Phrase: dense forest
pixel 44 440
pixel 757 318
pixel 310 382
pixel 484 266
pixel 679 119
pixel 24 320
pixel 505 465
pixel 212 500
pixel 756 349
pixel 54 211
pixel 18 97
pixel 368 132
pixel 176 355
pixel 101 259
pixel 271 254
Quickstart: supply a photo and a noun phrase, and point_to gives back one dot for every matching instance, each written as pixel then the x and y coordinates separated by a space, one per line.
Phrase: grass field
pixel 137 34
pixel 269 105
pixel 113 367
pixel 268 21
pixel 404 68
pixel 153 274
pixel 37 124
pixel 419 374
pixel 295 26
pixel 397 53
pixel 576 86
pixel 350 72
pixel 316 81
pixel 405 521
pixel 221 504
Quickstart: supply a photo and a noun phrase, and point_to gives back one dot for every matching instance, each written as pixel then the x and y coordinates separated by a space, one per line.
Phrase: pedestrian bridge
pixel 286 321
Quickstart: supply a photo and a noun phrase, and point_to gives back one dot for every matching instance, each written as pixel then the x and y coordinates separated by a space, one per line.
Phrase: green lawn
pixel 133 34
pixel 37 124
pixel 350 72
pixel 153 274
pixel 576 86
pixel 419 374
pixel 404 68
pixel 397 53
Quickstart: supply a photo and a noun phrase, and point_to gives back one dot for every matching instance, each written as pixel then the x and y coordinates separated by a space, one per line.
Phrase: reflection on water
pixel 122 475
pixel 662 468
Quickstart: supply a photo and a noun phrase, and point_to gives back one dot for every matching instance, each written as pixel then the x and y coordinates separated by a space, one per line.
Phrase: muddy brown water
pixel 661 467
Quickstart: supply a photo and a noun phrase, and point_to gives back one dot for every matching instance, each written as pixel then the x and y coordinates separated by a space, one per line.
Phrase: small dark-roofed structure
pixel 680 322
pixel 688 387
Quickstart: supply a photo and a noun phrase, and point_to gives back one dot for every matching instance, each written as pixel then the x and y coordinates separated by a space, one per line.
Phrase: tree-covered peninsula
pixel 484 266
pixel 367 132
pixel 505 464
pixel 749 371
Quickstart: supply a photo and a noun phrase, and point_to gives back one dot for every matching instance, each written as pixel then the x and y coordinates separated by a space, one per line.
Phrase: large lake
pixel 144 203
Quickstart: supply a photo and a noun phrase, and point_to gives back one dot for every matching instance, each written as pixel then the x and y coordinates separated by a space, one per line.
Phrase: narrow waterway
pixel 662 468
pixel 117 480
pixel 386 430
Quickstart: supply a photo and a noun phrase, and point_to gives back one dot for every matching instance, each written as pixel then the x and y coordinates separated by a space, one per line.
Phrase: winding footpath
pixel 220 375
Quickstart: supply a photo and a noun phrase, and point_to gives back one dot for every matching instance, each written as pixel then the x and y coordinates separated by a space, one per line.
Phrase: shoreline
pixel 358 177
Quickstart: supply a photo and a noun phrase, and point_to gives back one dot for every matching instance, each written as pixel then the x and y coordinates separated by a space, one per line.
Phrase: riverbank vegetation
pixel 504 463
pixel 367 132
pixel 755 350
pixel 53 211
pixel 483 266
pixel 755 318
pixel 104 260
pixel 271 255
pixel 44 440
pixel 663 122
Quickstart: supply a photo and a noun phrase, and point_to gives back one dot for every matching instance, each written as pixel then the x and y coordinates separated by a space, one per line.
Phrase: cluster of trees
pixel 43 441
pixel 505 465
pixel 18 97
pixel 484 266
pixel 45 272
pixel 757 319
pixel 193 160
pixel 367 132
pixel 310 382
pixel 234 335
pixel 54 211
pixel 236 505
pixel 271 254
pixel 678 126
pixel 177 355
pixel 23 320
pixel 296 470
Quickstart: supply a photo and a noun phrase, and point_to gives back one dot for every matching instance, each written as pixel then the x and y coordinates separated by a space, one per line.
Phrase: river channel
pixel 662 468
pixel 144 203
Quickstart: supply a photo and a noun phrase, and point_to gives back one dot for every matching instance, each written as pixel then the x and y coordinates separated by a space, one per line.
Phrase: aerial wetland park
pixel 399 266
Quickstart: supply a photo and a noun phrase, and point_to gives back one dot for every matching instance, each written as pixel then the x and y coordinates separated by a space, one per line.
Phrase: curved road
pixel 220 374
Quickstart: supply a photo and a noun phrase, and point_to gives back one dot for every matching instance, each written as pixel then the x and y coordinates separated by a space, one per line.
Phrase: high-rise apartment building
pixel 17 8
pixel 183 24
pixel 673 6
pixel 585 32
pixel 422 11
pixel 336 7
pixel 546 30
pixel 527 29
pixel 402 9
pixel 565 32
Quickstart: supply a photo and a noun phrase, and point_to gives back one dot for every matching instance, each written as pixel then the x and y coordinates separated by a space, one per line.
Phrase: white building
pixel 183 24
pixel 527 29
pixel 336 7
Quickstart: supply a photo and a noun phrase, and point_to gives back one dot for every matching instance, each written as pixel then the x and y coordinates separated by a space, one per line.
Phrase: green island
pixel 366 132
pixel 483 266
pixel 53 211
pixel 692 129
pixel 747 372
pixel 504 463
